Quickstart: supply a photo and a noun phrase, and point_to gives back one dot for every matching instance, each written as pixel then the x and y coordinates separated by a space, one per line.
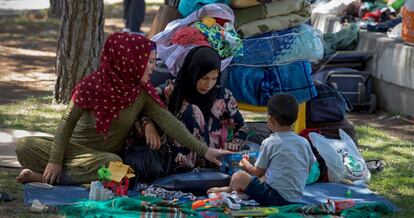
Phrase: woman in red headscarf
pixel 103 109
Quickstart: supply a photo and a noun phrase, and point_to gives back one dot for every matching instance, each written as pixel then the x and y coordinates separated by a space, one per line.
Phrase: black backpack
pixel 329 106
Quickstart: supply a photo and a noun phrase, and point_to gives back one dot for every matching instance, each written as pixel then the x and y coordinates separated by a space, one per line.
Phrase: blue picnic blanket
pixel 58 195
pixel 255 85
pixel 314 194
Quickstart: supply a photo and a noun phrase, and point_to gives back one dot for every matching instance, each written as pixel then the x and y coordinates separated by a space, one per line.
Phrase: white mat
pixel 8 138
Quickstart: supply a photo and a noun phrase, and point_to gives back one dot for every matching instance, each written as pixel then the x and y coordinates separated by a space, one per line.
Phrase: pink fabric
pixel 374 16
pixel 189 36
pixel 116 83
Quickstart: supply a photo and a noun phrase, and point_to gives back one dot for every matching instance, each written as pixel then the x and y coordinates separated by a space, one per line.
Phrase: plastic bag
pixel 341 157
pixel 172 54
pixel 395 33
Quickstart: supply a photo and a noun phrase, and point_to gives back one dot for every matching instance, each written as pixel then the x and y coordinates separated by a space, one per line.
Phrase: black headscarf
pixel 198 62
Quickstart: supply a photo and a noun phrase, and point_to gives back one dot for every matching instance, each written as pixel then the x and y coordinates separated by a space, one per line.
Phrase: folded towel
pixel 281 22
pixel 272 9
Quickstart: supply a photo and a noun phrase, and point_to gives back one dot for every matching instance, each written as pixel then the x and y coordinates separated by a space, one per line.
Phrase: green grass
pixel 395 182
pixel 15 208
pixel 34 114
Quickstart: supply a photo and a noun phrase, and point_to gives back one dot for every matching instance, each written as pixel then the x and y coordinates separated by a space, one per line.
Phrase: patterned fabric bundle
pixel 172 55
pixel 224 40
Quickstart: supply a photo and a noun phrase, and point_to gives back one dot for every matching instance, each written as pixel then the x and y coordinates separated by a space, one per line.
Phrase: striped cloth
pixel 148 207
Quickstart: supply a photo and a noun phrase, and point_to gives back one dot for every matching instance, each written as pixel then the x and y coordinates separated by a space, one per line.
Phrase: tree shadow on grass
pixel 36 60
pixel 14 92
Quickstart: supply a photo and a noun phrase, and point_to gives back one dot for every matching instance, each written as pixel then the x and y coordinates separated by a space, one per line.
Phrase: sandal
pixel 375 166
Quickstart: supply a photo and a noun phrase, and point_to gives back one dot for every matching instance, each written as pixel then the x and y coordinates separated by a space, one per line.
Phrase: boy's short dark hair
pixel 283 108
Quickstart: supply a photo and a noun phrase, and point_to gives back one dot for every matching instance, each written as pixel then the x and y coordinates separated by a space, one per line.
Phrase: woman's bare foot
pixel 219 189
pixel 27 175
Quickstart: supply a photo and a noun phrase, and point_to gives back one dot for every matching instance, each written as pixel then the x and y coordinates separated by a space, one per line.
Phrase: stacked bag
pixel 212 25
pixel 277 48
pixel 266 48
pixel 267 45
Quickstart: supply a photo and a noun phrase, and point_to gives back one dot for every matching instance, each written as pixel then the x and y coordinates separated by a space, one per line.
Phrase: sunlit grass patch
pixel 35 114
pixel 396 181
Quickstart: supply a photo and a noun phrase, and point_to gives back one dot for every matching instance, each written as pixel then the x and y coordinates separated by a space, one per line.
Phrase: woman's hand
pixel 213 154
pixel 231 146
pixel 152 137
pixel 52 173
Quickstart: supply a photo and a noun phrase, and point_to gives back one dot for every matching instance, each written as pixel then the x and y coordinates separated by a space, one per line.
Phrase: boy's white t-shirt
pixel 287 159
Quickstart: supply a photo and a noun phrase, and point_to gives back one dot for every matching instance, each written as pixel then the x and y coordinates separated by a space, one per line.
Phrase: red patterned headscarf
pixel 116 83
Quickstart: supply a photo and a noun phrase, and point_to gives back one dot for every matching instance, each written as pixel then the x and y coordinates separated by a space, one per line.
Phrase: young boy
pixel 284 161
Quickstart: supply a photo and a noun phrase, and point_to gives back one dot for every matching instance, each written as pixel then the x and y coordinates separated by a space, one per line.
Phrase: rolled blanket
pixel 275 23
pixel 255 85
pixel 243 3
pixel 289 45
pixel 272 9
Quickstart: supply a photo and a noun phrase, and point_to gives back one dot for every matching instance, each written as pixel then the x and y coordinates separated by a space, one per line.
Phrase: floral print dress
pixel 223 129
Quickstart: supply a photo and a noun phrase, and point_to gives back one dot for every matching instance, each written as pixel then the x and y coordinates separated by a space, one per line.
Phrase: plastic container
pixel 408 22
pixel 97 192
pixel 335 206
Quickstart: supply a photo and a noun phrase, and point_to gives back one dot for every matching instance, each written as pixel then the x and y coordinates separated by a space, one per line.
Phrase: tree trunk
pixel 164 15
pixel 172 3
pixel 79 45
pixel 55 9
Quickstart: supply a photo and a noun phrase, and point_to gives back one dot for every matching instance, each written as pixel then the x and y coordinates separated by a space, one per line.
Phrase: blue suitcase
pixel 353 59
pixel 356 85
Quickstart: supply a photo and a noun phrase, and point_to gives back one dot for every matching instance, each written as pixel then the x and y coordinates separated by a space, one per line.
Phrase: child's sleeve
pixel 264 158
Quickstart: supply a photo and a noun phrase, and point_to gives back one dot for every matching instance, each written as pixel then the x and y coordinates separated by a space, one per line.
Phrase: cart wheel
pixel 361 93
pixel 372 104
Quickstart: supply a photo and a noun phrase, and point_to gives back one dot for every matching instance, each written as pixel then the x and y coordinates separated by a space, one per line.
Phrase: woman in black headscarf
pixel 208 110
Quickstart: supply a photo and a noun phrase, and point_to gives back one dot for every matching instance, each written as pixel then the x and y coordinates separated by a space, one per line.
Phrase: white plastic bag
pixel 335 7
pixel 395 33
pixel 342 157
pixel 172 54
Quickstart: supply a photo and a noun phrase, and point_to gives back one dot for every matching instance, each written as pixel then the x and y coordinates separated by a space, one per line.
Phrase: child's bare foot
pixel 27 175
pixel 219 189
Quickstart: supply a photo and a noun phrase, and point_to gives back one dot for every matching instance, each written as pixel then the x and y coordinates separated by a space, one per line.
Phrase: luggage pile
pixel 278 46
pixel 271 46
